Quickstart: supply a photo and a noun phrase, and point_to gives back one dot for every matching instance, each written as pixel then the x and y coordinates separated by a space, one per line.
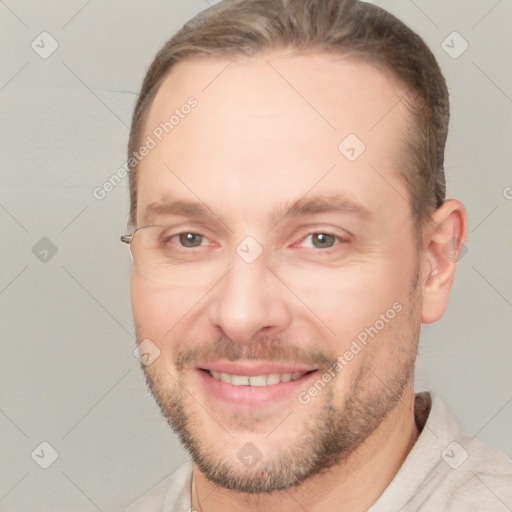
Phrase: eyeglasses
pixel 155 252
pixel 160 252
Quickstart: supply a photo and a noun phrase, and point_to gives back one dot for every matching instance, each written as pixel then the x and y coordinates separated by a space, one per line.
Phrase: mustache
pixel 268 349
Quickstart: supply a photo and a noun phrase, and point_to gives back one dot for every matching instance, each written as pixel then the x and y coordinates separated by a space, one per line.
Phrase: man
pixel 290 235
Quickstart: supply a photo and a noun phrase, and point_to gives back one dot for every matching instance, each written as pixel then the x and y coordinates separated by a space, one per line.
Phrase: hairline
pixel 406 140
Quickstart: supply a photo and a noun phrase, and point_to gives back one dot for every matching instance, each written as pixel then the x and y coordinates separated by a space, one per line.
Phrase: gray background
pixel 68 374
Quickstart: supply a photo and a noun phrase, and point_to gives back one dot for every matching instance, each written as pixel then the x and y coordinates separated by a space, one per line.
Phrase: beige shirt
pixel 446 470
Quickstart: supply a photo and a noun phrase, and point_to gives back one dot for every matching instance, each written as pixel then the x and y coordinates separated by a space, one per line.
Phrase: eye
pixel 190 239
pixel 320 240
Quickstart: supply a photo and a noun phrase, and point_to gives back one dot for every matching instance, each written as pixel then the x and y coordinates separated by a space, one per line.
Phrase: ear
pixel 443 244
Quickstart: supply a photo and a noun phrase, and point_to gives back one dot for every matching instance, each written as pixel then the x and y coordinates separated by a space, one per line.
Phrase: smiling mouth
pixel 256 380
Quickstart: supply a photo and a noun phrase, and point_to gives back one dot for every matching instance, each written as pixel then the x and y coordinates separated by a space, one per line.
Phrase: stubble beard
pixel 335 431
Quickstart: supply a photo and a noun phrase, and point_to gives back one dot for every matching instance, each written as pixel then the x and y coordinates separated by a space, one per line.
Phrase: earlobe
pixel 443 245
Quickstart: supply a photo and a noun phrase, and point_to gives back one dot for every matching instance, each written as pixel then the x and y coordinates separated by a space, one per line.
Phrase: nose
pixel 249 301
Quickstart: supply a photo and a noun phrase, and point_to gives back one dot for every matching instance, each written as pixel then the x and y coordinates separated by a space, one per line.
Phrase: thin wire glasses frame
pixel 148 270
pixel 150 254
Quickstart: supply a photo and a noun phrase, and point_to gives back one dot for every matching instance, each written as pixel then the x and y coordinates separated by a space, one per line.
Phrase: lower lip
pixel 253 396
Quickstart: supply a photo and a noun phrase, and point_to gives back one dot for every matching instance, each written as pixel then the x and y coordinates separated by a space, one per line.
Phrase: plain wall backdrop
pixel 68 374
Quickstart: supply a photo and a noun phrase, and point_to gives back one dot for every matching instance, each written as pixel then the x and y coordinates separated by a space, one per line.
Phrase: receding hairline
pixel 337 56
pixel 244 28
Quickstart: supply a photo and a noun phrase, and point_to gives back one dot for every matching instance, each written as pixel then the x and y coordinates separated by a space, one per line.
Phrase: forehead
pixel 273 127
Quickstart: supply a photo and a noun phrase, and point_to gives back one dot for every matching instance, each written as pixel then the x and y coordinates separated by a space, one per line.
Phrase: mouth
pixel 248 385
pixel 257 380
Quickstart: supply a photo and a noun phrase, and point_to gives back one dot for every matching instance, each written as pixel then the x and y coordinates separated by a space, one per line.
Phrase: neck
pixel 353 485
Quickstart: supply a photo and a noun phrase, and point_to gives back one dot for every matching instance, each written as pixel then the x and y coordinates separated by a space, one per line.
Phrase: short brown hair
pixel 244 28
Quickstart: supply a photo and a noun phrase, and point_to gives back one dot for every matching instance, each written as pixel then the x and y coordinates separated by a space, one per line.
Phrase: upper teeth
pixel 257 380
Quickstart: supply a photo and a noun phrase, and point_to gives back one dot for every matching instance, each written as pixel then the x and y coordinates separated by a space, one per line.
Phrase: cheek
pixel 168 313
pixel 345 298
pixel 349 302
pixel 155 308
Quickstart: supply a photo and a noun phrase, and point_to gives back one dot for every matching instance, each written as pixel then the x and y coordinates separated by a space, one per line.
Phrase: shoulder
pixel 483 478
pixel 448 470
pixel 173 493
pixel 468 473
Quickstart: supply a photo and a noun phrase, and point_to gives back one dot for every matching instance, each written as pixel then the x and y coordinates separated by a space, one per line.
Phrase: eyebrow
pixel 177 207
pixel 337 203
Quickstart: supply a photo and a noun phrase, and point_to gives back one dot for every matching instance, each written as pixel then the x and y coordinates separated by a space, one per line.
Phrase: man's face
pixel 331 252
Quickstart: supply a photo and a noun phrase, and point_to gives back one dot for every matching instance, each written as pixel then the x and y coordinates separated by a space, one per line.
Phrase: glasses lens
pixel 157 251
pixel 148 253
